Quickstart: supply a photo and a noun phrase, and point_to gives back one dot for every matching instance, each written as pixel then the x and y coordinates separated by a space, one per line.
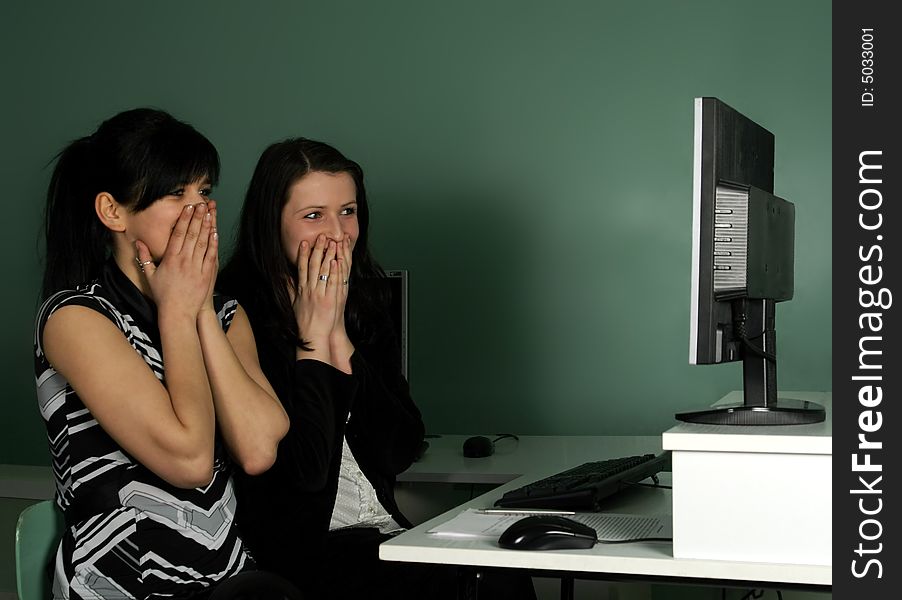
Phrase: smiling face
pixel 319 203
pixel 154 224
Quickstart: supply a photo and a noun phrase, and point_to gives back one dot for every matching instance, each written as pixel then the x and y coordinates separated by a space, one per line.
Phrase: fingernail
pixel 207 217
pixel 189 207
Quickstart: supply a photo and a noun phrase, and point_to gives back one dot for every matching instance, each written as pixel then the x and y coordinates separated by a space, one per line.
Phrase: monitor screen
pixel 397 280
pixel 742 264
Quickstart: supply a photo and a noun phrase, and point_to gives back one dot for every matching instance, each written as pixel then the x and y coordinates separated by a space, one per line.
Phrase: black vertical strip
pixel 867 362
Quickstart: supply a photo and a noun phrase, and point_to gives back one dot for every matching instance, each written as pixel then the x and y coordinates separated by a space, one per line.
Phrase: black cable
pixel 631 541
pixel 747 344
pixel 502 436
pixel 739 321
pixel 651 485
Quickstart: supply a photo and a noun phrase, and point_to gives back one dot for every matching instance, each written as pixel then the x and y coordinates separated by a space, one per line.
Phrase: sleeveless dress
pixel 129 534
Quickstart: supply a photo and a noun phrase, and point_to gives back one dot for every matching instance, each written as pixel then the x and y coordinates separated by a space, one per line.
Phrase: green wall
pixel 528 162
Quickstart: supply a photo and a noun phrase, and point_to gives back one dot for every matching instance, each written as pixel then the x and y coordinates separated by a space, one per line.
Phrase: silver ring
pixel 324 278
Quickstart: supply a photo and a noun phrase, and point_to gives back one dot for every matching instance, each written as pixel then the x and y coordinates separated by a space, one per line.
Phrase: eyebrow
pixel 321 206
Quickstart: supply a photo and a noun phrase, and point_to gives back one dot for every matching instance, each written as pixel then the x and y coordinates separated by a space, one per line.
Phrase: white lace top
pixel 356 504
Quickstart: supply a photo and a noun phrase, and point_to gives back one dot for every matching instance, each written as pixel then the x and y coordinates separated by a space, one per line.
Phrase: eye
pixel 205 191
pixel 349 210
pixel 178 192
pixel 312 216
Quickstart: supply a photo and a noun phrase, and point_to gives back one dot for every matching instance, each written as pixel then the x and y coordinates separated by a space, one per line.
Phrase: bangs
pixel 175 156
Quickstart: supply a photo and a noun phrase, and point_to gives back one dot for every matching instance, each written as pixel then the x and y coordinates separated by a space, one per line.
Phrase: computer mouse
pixel 424 445
pixel 478 446
pixel 547 532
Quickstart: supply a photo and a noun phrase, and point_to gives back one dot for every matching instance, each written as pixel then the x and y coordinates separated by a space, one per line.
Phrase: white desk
pixel 769 486
pixel 649 561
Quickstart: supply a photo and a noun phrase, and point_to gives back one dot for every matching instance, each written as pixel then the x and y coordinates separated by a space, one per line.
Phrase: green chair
pixel 38 533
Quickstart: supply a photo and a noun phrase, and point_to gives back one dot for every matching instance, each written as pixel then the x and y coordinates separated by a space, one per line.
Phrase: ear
pixel 109 211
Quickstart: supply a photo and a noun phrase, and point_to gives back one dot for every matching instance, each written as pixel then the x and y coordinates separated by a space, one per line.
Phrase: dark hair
pixel 137 156
pixel 259 273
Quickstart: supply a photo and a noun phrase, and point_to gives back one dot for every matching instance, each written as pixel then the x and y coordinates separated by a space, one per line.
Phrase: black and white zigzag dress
pixel 129 534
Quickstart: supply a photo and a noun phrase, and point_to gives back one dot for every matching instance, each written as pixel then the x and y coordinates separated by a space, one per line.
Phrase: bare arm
pixel 167 429
pixel 250 416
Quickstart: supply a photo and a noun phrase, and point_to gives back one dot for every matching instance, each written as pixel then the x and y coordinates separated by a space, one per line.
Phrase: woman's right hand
pixel 316 298
pixel 181 282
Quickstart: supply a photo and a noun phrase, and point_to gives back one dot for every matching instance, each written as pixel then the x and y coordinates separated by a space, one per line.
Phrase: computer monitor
pixel 397 281
pixel 742 265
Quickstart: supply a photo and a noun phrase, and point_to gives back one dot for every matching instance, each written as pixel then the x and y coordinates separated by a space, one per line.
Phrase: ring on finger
pixel 344 282
pixel 324 278
pixel 141 265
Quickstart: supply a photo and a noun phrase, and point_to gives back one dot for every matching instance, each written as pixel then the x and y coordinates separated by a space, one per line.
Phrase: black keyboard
pixel 585 486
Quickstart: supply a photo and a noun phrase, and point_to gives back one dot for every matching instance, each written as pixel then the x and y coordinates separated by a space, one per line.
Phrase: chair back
pixel 38 534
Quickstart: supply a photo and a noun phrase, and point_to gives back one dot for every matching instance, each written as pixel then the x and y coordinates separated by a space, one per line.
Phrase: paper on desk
pixel 611 527
pixel 475 523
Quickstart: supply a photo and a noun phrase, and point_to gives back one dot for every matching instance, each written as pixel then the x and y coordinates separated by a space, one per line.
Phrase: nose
pixel 197 198
pixel 336 231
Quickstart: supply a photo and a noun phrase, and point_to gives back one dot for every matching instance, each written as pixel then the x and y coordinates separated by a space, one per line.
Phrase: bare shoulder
pixel 74 321
pixel 78 340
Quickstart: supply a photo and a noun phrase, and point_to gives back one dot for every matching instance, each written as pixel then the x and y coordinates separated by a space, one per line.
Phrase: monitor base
pixel 785 411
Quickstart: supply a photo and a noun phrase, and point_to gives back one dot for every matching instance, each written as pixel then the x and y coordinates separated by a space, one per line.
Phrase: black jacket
pixel 284 514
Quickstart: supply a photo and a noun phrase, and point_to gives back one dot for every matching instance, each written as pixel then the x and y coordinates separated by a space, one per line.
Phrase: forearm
pixel 188 388
pixel 342 349
pixel 319 349
pixel 319 401
pixel 251 418
pixel 394 427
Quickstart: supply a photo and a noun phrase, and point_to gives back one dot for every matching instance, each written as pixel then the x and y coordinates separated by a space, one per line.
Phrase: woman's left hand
pixel 208 303
pixel 339 343
pixel 344 267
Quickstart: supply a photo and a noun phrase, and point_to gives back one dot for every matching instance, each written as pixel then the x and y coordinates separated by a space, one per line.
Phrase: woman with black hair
pixel 304 272
pixel 148 382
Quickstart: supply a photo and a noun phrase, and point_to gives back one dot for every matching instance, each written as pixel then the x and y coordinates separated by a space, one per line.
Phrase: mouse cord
pixel 631 541
pixel 752 594
pixel 650 485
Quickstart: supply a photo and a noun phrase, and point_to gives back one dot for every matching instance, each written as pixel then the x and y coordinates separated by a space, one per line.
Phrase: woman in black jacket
pixel 303 272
